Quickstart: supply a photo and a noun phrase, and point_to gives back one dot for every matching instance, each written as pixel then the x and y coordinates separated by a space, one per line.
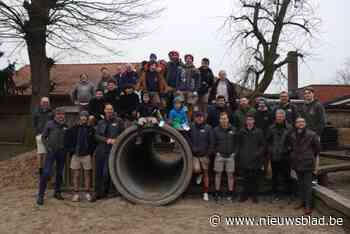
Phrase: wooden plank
pixel 341 155
pixel 333 200
pixel 334 168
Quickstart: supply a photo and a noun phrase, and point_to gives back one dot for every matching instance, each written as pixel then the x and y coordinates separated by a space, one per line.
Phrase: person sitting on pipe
pixel 178 117
pixel 107 131
pixel 202 143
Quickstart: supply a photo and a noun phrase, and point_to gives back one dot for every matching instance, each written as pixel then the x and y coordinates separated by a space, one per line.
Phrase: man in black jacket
pixel 250 157
pixel 304 146
pixel 112 96
pixel 226 149
pixel 207 81
pixel 41 116
pixel 128 103
pixel 53 138
pixel 315 116
pixel 107 131
pixel 225 88
pixel 202 143
pixel 278 153
pixel 96 105
pixel 80 143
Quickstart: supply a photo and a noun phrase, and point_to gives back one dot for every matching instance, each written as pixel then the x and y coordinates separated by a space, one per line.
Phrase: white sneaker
pixel 76 198
pixel 205 197
pixel 88 197
pixel 199 179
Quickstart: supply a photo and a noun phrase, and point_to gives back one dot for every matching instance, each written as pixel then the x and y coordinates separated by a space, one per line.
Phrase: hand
pixel 109 141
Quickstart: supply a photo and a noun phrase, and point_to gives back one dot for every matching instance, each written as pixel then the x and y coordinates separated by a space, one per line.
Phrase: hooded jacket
pixel 173 73
pixel 190 79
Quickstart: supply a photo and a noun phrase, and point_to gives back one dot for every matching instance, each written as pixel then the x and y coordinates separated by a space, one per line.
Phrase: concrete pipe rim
pixel 182 182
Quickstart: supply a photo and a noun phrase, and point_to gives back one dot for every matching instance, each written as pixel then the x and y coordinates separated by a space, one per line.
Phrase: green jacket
pixel 240 115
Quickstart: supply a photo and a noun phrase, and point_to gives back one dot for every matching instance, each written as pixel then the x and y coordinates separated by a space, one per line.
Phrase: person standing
pixel 112 96
pixel 107 131
pixel 119 75
pixel 226 148
pixel 80 143
pixel 83 92
pixel 214 111
pixel 103 83
pixel 202 144
pixel 290 109
pixel 223 86
pixel 242 111
pixel 207 81
pixel 129 77
pixel 278 154
pixel 53 138
pixel 41 116
pixel 153 82
pixel 96 105
pixel 251 157
pixel 315 116
pixel 304 147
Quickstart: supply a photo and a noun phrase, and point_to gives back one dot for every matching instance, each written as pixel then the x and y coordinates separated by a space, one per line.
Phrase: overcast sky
pixel 194 27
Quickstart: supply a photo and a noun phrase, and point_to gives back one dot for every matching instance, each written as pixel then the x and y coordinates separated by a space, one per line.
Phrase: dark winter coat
pixel 201 140
pixel 207 80
pixel 53 136
pixel 226 141
pixel 315 116
pixel 263 120
pixel 252 149
pixel 173 73
pixel 128 103
pixel 40 119
pixel 147 109
pixel 113 97
pixel 303 147
pixel 276 138
pixel 128 78
pixel 106 129
pixel 79 140
pixel 96 107
pixel 240 116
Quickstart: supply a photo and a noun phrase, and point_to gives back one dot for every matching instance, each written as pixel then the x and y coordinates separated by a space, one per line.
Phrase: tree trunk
pixel 39 68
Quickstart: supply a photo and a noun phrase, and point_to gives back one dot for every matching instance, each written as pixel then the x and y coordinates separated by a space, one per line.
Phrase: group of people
pixel 222 129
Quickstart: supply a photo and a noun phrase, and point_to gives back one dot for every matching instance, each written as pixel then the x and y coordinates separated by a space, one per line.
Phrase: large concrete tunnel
pixel 146 173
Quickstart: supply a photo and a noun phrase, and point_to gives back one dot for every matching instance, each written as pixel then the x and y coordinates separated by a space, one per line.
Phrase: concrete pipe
pixel 143 172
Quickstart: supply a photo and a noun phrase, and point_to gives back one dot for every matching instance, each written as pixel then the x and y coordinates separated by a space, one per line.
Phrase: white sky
pixel 194 27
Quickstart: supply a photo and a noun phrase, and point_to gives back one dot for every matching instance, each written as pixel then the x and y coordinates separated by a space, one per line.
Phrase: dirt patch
pixel 19 214
pixel 20 171
pixel 340 183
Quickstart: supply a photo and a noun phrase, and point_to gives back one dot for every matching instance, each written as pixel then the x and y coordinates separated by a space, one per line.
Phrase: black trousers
pixel 305 187
pixel 251 182
pixel 281 172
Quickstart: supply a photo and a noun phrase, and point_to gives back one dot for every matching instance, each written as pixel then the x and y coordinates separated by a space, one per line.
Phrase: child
pixel 148 113
pixel 178 117
pixel 80 142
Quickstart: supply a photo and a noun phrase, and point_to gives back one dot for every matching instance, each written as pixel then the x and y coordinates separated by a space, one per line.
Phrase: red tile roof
pixel 67 75
pixel 325 93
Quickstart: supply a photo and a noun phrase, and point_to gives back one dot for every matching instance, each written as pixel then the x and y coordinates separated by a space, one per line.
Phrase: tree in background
pixel 343 74
pixel 65 24
pixel 267 30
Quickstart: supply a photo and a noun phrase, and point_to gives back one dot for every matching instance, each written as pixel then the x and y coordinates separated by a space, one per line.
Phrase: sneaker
pixel 76 198
pixel 88 197
pixel 205 197
pixel 199 179
pixel 40 201
pixel 58 196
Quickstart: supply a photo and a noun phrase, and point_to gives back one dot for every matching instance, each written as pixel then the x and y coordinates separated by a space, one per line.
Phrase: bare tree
pixel 267 30
pixel 65 24
pixel 343 74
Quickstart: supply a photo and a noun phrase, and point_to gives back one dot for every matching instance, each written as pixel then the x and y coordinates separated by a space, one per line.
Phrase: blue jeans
pixel 59 157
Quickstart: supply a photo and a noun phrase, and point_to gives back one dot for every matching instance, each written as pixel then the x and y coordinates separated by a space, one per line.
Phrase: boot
pixel 58 196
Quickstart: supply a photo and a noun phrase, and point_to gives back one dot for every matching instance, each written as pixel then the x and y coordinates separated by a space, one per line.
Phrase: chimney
pixel 292 71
